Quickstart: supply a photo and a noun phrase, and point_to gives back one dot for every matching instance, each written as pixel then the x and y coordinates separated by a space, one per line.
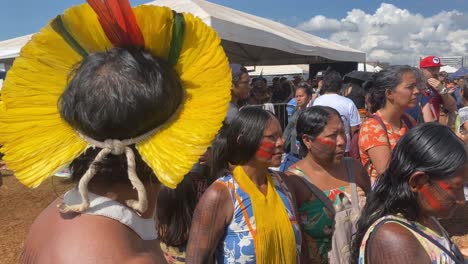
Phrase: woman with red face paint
pixel 248 214
pixel 424 181
pixel 392 92
pixel 322 137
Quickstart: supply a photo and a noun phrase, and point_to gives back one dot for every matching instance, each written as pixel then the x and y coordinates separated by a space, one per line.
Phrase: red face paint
pixel 444 185
pixel 430 199
pixel 266 149
pixel 326 141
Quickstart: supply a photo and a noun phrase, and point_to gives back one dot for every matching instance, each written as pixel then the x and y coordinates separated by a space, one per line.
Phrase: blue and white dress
pixel 237 246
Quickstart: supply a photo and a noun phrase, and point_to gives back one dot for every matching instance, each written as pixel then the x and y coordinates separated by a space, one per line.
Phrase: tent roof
pixel 247 39
pixel 275 70
pixel 11 48
pixel 253 40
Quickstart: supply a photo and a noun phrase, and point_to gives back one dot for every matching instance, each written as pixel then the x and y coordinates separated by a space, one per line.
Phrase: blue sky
pixel 394 31
pixel 20 17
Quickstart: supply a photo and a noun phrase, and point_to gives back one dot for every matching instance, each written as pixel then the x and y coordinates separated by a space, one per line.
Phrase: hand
pixel 436 84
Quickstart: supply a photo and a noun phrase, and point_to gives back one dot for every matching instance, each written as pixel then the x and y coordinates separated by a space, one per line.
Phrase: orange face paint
pixel 266 149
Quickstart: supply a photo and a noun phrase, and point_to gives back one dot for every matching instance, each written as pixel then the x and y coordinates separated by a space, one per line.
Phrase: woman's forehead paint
pixel 326 141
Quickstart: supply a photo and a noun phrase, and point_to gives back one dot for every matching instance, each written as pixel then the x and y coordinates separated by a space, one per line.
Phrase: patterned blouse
pixel 237 246
pixel 372 134
pixel 437 255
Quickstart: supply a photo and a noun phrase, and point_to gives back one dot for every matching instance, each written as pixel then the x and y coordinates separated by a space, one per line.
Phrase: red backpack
pixel 354 145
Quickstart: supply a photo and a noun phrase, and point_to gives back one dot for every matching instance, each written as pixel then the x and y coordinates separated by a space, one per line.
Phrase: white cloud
pixel 320 24
pixel 396 35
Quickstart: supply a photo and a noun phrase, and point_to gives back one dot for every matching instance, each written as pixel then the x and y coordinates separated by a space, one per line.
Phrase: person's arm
pixel 301 193
pixel 354 129
pixel 428 115
pixel 393 243
pixel 448 101
pixel 380 156
pixel 354 119
pixel 373 140
pixel 212 214
pixel 362 178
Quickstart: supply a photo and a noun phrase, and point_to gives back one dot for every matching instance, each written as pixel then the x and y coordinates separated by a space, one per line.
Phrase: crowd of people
pixel 178 156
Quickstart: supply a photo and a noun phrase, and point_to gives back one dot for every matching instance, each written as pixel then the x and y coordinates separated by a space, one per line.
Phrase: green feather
pixel 59 27
pixel 178 30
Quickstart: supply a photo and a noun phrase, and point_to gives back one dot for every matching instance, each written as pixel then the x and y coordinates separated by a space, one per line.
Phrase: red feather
pixel 118 22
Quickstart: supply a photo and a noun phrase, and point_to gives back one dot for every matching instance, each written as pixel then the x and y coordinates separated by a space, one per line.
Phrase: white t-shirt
pixel 346 108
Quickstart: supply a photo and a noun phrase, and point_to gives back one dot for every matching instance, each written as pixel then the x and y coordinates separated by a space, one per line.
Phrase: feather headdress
pixel 37 142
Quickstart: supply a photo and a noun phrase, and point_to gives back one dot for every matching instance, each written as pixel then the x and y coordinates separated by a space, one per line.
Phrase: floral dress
pixel 317 222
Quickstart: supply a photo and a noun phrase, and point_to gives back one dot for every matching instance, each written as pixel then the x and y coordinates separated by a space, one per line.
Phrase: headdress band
pixel 115 147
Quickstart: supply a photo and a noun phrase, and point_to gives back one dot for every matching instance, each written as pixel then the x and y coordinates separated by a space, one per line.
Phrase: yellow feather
pixel 205 74
pixel 36 141
pixel 82 23
pixel 156 25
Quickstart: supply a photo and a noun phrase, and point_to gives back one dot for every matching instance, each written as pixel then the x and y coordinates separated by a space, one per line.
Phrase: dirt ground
pixel 20 205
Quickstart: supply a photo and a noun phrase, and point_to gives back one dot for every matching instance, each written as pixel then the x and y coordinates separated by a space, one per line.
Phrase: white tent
pixel 368 68
pixel 448 69
pixel 252 40
pixel 10 48
pixel 247 39
pixel 275 70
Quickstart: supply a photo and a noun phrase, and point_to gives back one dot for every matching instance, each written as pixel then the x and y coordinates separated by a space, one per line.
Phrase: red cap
pixel 430 61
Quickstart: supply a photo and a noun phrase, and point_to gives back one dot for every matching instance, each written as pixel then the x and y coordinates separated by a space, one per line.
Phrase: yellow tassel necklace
pixel 274 237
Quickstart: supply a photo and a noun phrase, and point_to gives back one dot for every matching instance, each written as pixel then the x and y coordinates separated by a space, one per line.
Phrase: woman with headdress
pixel 247 215
pixel 147 90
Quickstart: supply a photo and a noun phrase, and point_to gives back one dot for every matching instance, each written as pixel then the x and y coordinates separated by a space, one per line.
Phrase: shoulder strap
pixel 407 121
pixel 457 259
pixel 318 193
pixel 381 123
pixel 352 183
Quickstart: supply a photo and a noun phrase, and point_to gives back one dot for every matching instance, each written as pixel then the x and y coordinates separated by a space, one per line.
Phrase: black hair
pixel 464 88
pixel 306 89
pixel 175 211
pixel 332 82
pixel 388 79
pixel 112 169
pixel 257 79
pixel 237 143
pixel 312 122
pixel 237 77
pixel 282 93
pixel 429 147
pixel 120 94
